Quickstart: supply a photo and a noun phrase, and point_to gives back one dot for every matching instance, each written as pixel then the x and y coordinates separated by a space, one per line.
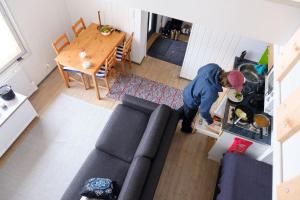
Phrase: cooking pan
pixel 261 121
pixel 245 109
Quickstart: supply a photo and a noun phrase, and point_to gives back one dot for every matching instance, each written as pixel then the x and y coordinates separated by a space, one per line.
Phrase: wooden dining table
pixel 96 46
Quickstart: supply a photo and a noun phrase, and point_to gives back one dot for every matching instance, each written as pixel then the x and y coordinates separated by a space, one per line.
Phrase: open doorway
pixel 167 38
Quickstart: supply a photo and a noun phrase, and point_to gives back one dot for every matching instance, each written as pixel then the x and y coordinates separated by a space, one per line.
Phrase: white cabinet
pixel 226 140
pixel 14 120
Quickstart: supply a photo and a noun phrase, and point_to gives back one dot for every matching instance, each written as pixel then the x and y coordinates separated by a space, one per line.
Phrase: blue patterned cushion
pixel 119 53
pixel 99 188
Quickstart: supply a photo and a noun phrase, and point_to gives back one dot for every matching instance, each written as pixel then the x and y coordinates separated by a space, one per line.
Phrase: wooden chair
pixel 78 27
pixel 58 45
pixel 124 53
pixel 106 70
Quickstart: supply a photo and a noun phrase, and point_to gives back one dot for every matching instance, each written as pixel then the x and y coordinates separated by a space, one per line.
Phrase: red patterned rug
pixel 146 89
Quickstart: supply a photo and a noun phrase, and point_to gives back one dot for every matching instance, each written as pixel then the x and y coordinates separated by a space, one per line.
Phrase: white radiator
pixel 19 81
pixel 213 46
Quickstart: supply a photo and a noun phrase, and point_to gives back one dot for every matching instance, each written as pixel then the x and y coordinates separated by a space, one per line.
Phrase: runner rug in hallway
pixel 146 89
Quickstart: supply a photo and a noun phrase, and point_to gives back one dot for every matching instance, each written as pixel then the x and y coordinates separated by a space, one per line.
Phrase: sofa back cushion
pixel 154 131
pixel 139 104
pixel 123 132
pixel 135 179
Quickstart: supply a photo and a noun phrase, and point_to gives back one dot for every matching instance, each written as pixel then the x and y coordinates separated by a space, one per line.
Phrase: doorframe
pixel 153 24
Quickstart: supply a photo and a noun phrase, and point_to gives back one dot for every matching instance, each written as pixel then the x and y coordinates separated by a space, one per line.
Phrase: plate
pixel 232 96
pixel 105 34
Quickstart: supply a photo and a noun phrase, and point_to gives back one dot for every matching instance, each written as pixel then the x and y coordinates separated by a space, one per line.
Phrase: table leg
pixel 123 66
pixel 96 85
pixel 62 74
pixel 87 81
pixel 129 59
pixel 83 80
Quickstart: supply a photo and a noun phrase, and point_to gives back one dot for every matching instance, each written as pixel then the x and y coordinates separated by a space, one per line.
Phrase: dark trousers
pixel 187 114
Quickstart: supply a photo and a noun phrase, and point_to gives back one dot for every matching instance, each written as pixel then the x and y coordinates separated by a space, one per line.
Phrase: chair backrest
pixel 78 27
pixel 110 61
pixel 128 44
pixel 60 43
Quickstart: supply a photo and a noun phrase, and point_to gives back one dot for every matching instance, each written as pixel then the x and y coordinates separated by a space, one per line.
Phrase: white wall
pixel 286 163
pixel 116 15
pixel 40 22
pixel 213 46
pixel 259 19
pixel 290 148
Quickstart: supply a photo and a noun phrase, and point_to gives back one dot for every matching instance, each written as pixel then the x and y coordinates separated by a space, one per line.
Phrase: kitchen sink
pixel 248 69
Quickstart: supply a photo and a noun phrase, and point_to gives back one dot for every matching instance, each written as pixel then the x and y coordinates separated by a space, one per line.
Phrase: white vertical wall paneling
pixel 188 56
pixel 217 43
pixel 213 46
pixel 225 43
pixel 210 51
pixel 230 53
pixel 191 58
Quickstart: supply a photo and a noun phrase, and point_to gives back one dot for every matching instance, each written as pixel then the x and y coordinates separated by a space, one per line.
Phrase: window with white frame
pixel 11 47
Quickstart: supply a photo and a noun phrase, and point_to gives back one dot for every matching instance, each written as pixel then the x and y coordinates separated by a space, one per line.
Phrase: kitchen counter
pixel 248 132
pixel 245 132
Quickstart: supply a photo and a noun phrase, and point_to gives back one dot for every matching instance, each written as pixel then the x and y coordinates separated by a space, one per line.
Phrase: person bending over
pixel 203 91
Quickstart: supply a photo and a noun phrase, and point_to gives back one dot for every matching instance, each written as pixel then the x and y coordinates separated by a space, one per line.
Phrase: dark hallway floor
pixel 168 50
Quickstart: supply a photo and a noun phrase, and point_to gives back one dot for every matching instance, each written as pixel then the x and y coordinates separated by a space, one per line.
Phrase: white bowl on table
pixel 86 64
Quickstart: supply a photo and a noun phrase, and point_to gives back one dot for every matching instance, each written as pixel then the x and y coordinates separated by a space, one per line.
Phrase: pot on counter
pixel 253 79
pixel 7 93
pixel 257 101
pixel 249 114
pixel 261 121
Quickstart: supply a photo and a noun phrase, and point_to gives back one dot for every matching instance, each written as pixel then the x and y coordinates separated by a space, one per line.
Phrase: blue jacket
pixel 203 91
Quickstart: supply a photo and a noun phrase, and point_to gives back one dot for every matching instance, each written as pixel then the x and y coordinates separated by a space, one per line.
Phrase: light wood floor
pixel 188 174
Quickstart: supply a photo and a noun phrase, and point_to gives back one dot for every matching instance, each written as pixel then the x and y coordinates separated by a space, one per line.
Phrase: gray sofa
pixel 131 150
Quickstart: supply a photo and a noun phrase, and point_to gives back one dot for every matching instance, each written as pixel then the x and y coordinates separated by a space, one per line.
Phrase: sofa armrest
pixel 139 104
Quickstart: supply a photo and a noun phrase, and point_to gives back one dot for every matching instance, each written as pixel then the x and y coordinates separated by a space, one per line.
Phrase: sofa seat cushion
pixel 244 178
pixel 135 179
pixel 98 165
pixel 154 132
pixel 123 132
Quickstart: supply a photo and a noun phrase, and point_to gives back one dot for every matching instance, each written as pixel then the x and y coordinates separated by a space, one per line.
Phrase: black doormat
pixel 168 50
